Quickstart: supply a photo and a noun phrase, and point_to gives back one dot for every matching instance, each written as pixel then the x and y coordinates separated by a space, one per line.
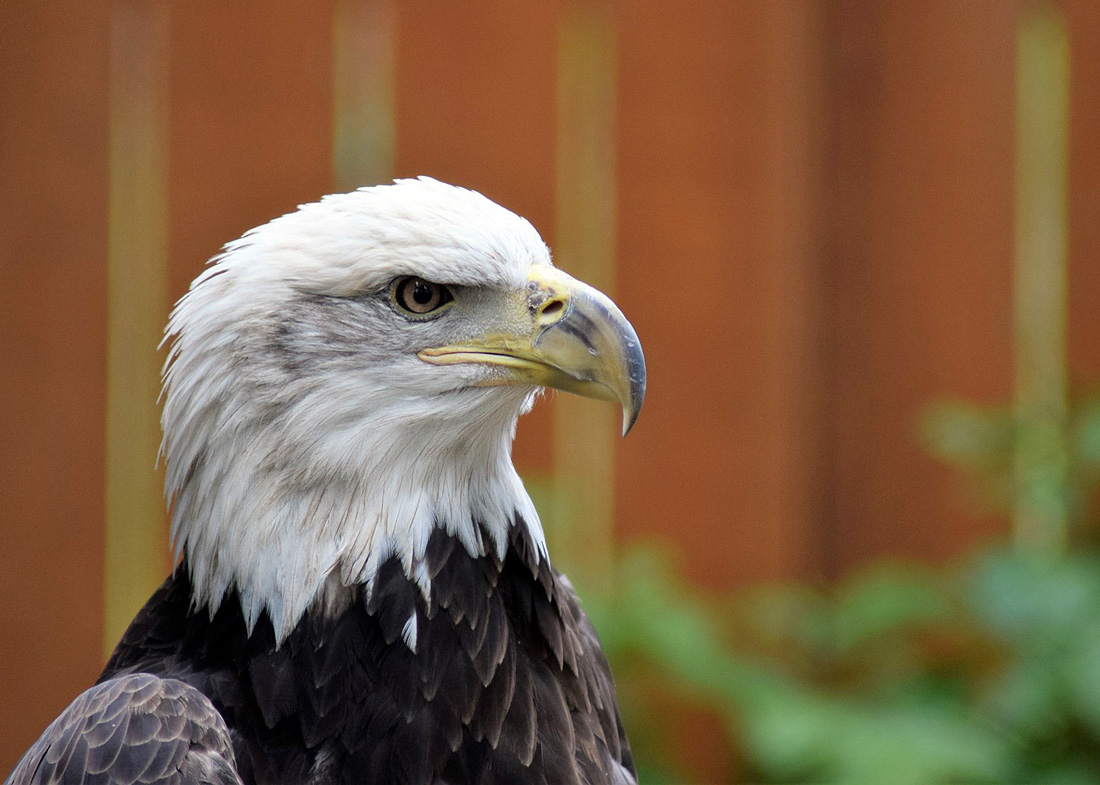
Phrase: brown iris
pixel 420 297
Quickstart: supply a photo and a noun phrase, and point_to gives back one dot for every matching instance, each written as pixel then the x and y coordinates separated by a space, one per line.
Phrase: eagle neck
pixel 301 525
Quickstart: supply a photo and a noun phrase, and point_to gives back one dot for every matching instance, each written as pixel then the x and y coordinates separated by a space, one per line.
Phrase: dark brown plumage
pixel 507 685
pixel 136 728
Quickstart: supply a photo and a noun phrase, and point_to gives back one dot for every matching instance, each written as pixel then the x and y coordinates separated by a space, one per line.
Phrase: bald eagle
pixel 363 592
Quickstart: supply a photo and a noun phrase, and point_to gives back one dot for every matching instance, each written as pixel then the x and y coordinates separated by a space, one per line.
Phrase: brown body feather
pixel 507 683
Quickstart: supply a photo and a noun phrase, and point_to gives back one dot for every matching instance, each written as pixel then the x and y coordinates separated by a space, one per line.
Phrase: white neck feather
pixel 280 508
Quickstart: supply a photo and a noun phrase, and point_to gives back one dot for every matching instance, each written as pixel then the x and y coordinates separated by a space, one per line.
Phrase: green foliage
pixel 989 672
pixel 981 441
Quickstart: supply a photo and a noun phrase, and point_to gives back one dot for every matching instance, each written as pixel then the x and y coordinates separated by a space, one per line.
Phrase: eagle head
pixel 345 379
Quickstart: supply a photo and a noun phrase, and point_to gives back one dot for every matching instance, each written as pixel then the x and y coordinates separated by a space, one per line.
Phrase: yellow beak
pixel 566 335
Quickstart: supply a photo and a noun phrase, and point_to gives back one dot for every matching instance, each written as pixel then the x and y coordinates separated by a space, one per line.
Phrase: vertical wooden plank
pixel 717 269
pixel 136 533
pixel 1041 505
pixel 585 431
pixel 251 93
pixel 919 193
pixel 1083 22
pixel 475 107
pixel 363 58
pixel 53 251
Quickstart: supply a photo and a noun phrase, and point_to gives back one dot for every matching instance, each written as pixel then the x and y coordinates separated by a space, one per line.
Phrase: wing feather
pixel 137 729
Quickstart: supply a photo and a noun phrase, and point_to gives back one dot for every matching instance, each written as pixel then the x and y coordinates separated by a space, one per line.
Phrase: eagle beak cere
pixel 564 334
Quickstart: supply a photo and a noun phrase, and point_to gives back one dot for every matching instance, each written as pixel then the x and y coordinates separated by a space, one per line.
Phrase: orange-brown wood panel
pixel 919 197
pixel 251 121
pixel 475 106
pixel 53 257
pixel 718 177
pixel 718 172
pixel 1083 20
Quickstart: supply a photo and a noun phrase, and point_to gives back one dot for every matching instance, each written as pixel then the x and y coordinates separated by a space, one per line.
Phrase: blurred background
pixel 851 537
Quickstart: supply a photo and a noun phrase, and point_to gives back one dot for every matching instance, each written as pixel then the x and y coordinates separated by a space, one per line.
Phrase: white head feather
pixel 304 445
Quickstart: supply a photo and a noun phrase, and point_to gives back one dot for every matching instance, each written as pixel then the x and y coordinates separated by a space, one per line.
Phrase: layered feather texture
pixel 507 685
pixel 136 729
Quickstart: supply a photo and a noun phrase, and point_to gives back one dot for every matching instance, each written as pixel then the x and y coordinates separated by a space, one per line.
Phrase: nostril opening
pixel 552 309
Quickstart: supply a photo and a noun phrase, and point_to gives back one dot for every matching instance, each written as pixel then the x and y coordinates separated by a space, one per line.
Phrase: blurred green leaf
pixel 967 434
pixel 884 600
pixel 1085 433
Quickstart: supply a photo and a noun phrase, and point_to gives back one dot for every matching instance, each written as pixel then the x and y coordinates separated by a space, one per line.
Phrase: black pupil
pixel 422 293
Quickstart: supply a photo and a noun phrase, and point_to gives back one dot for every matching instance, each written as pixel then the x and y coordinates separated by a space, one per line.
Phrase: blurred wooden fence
pixel 806 209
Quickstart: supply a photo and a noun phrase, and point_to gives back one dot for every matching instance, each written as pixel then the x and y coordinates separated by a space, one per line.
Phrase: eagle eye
pixel 419 297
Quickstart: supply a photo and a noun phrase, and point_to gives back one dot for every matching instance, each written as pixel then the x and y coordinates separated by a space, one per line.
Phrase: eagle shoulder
pixel 132 729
